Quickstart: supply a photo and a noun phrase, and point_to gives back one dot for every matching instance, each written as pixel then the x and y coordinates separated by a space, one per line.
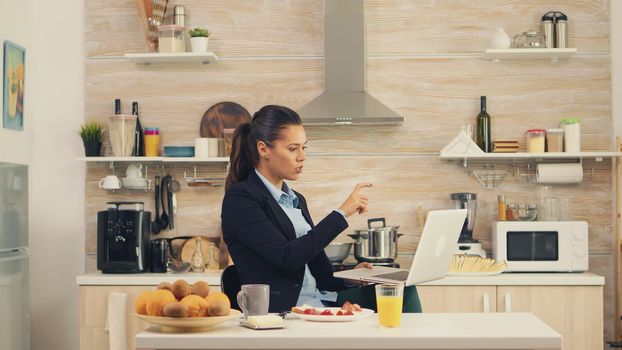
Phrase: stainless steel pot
pixel 376 245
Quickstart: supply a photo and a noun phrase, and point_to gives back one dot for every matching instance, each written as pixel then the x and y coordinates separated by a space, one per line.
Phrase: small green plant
pixel 91 132
pixel 199 32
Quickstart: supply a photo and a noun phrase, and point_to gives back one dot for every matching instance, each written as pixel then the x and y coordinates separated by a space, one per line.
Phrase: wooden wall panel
pixel 435 96
pixel 421 62
pixel 402 185
pixel 432 26
pixel 285 28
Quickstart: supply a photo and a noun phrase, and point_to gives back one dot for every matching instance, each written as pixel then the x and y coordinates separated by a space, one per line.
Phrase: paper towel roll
pixel 559 173
pixel 115 322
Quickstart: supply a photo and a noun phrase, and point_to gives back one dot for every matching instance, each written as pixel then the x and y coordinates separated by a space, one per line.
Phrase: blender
pixel 467 245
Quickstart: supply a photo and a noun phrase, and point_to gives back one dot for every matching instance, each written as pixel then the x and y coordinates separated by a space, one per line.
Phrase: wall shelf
pixel 535 156
pixel 529 54
pixel 174 57
pixel 224 160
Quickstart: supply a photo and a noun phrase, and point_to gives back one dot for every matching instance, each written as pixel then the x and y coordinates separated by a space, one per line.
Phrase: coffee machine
pixel 467 245
pixel 123 238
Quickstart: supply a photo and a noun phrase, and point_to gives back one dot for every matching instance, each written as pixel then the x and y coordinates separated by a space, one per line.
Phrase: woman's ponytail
pixel 243 158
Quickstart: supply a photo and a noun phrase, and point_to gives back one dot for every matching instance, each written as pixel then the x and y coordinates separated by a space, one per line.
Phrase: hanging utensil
pixel 164 191
pixel 169 201
pixel 173 185
pixel 155 225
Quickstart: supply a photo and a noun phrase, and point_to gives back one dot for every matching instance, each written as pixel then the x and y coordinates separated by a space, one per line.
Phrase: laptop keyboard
pixel 397 276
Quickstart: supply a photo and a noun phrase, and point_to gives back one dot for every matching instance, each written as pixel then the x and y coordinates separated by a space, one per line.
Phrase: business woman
pixel 267 226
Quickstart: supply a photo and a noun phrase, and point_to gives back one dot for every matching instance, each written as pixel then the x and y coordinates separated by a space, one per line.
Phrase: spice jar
pixel 554 140
pixel 152 141
pixel 572 134
pixel 510 213
pixel 535 140
pixel 502 207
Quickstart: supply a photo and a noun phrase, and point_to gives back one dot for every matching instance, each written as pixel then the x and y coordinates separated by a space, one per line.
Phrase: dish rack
pixel 195 181
pixel 490 178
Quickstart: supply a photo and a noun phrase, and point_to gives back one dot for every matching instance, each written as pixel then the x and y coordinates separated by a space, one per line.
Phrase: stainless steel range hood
pixel 344 100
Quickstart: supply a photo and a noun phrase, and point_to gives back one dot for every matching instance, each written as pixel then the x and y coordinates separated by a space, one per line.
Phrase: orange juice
pixel 389 310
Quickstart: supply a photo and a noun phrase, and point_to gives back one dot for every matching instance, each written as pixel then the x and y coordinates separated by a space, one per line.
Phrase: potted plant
pixel 91 134
pixel 198 39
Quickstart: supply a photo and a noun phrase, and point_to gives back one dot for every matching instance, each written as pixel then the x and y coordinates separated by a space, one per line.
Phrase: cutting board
pixel 223 115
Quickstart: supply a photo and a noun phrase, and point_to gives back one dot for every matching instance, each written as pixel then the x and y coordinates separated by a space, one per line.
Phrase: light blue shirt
pixel 287 199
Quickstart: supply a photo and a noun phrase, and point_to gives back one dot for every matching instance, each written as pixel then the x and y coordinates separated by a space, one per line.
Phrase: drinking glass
pixel 389 299
pixel 551 209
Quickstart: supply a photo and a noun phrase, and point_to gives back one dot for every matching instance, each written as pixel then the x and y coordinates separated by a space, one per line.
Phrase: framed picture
pixel 13 82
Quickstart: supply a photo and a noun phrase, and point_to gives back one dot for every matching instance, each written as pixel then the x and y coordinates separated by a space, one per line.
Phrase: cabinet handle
pixel 486 300
pixel 508 302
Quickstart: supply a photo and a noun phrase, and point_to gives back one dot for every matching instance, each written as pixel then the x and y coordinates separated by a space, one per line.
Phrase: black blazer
pixel 263 244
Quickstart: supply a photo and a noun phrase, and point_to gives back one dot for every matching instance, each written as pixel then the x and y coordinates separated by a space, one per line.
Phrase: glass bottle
pixel 197 261
pixel 139 145
pixel 483 136
pixel 501 207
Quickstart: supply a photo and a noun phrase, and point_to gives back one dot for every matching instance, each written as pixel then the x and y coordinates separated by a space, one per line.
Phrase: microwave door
pixel 533 246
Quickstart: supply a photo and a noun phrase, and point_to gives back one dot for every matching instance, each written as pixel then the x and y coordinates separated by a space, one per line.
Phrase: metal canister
pixel 548 29
pixel 179 15
pixel 561 30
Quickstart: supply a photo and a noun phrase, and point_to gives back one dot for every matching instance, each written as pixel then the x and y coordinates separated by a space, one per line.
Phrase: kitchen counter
pixel 504 279
pixel 147 279
pixel 418 331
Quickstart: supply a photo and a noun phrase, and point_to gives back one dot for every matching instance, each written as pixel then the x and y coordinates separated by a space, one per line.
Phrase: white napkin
pixel 115 321
pixel 265 321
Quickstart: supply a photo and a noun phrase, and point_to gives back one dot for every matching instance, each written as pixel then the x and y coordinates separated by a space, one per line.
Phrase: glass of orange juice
pixel 389 299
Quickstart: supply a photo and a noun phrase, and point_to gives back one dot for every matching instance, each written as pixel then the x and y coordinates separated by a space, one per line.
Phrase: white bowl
pixel 138 183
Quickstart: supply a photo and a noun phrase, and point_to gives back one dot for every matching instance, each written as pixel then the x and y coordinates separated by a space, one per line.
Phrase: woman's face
pixel 286 156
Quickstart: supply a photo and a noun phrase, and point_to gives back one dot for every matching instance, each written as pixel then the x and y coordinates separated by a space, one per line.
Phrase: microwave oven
pixel 541 246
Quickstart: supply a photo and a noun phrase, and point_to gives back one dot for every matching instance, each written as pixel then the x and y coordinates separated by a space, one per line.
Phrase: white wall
pixel 57 187
pixel 16 25
pixel 616 66
pixel 52 33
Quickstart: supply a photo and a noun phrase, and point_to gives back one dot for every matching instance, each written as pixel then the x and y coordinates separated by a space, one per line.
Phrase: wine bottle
pixel 139 145
pixel 117 106
pixel 483 138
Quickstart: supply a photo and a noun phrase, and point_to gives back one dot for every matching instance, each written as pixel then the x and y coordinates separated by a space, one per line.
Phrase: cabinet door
pixel 576 312
pixel 458 298
pixel 93 313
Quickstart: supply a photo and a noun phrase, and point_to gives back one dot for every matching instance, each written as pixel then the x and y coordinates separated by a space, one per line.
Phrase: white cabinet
pixel 576 312
pixel 458 298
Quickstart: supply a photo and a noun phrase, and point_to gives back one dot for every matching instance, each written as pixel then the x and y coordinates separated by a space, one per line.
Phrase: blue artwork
pixel 13 97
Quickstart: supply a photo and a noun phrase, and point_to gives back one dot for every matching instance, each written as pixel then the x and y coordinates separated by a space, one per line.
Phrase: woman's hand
pixel 363 265
pixel 356 202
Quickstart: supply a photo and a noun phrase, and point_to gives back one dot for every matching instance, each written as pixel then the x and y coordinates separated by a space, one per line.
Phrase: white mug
pixel 134 170
pixel 110 182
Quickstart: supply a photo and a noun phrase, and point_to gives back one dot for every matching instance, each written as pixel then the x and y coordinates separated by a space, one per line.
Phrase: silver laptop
pixel 439 241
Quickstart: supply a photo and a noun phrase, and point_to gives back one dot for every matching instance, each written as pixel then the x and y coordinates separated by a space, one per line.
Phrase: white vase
pixel 199 44
pixel 500 40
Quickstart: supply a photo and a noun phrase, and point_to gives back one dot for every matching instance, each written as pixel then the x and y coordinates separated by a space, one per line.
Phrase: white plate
pixel 321 318
pixel 474 274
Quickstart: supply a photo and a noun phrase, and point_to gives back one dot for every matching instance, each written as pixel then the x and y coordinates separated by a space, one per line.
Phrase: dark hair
pixel 266 126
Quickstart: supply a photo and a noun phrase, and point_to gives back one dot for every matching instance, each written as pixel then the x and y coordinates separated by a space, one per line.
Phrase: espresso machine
pixel 467 245
pixel 123 238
